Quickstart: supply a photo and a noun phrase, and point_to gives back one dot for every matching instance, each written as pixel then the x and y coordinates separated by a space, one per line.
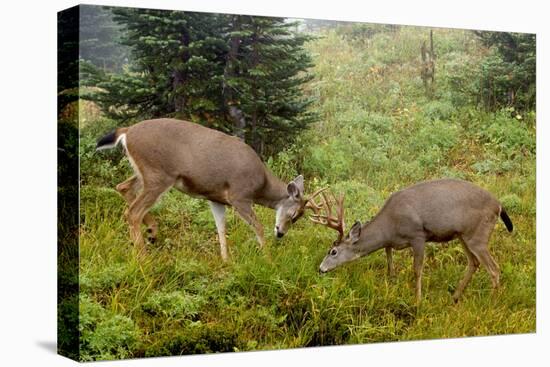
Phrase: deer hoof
pixel 151 237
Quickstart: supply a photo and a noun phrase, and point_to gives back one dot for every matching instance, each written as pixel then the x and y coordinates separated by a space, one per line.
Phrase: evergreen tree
pixel 99 39
pixel 176 65
pixel 266 65
pixel 509 74
pixel 67 58
pixel 239 74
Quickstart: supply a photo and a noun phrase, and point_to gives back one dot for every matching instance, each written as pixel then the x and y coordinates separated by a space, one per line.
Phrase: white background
pixel 28 182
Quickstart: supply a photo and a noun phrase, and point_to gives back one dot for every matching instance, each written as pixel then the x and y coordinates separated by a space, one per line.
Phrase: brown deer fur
pixel 203 163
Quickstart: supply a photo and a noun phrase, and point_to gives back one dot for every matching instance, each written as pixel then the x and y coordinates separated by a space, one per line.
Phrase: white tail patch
pixel 104 147
pixel 120 138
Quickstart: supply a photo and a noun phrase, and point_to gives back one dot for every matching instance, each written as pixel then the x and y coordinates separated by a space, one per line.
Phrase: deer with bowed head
pixel 430 211
pixel 203 163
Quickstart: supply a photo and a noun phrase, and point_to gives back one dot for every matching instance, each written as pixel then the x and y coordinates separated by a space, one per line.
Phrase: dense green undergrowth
pixel 378 133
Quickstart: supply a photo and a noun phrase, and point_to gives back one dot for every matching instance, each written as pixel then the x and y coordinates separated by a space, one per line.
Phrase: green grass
pixel 378 133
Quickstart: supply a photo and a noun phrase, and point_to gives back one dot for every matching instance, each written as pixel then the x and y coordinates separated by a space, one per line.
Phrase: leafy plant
pixel 103 334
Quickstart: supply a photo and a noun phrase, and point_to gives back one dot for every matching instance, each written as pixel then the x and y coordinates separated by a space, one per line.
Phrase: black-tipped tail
pixel 506 220
pixel 108 141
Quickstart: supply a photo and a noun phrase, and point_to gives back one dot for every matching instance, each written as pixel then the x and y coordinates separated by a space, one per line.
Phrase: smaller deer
pixel 431 211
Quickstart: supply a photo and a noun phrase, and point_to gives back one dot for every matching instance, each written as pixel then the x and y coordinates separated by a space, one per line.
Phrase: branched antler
pixel 328 219
pixel 310 202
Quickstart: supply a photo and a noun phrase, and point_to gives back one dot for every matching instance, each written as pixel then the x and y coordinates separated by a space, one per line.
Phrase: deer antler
pixel 310 202
pixel 329 220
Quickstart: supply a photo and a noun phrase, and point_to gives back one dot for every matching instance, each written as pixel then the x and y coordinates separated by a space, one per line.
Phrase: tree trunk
pixel 239 122
pixel 427 72
pixel 179 77
pixel 235 114
pixel 255 139
pixel 432 55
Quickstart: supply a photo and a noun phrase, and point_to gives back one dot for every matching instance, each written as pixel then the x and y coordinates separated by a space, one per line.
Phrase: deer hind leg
pixel 245 211
pixel 478 245
pixel 473 265
pixel 389 257
pixel 489 263
pixel 139 208
pixel 129 190
pixel 418 265
pixel 218 210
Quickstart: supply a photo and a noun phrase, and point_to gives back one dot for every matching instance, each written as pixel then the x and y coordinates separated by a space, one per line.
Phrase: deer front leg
pixel 218 210
pixel 418 264
pixel 245 211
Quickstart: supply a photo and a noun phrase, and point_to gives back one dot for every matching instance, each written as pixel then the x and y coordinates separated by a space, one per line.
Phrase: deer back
pixel 201 161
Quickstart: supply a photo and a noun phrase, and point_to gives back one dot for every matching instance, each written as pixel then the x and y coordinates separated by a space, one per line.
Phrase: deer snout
pixel 278 232
pixel 323 268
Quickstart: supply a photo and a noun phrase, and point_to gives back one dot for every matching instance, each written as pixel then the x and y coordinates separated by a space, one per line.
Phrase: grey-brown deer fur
pixel 431 211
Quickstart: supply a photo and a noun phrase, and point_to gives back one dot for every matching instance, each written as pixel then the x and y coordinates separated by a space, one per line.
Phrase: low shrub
pixel 105 334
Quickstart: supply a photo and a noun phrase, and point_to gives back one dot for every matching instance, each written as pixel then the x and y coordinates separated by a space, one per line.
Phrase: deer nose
pixel 278 233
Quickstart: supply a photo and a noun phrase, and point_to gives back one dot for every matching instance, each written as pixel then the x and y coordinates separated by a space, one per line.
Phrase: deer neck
pixel 373 237
pixel 273 192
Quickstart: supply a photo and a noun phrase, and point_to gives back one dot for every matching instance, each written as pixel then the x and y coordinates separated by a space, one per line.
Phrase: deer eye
pixel 333 252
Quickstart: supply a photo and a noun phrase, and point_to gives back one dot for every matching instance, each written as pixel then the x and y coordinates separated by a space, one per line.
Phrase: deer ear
pixel 355 231
pixel 296 187
pixel 293 191
pixel 299 181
